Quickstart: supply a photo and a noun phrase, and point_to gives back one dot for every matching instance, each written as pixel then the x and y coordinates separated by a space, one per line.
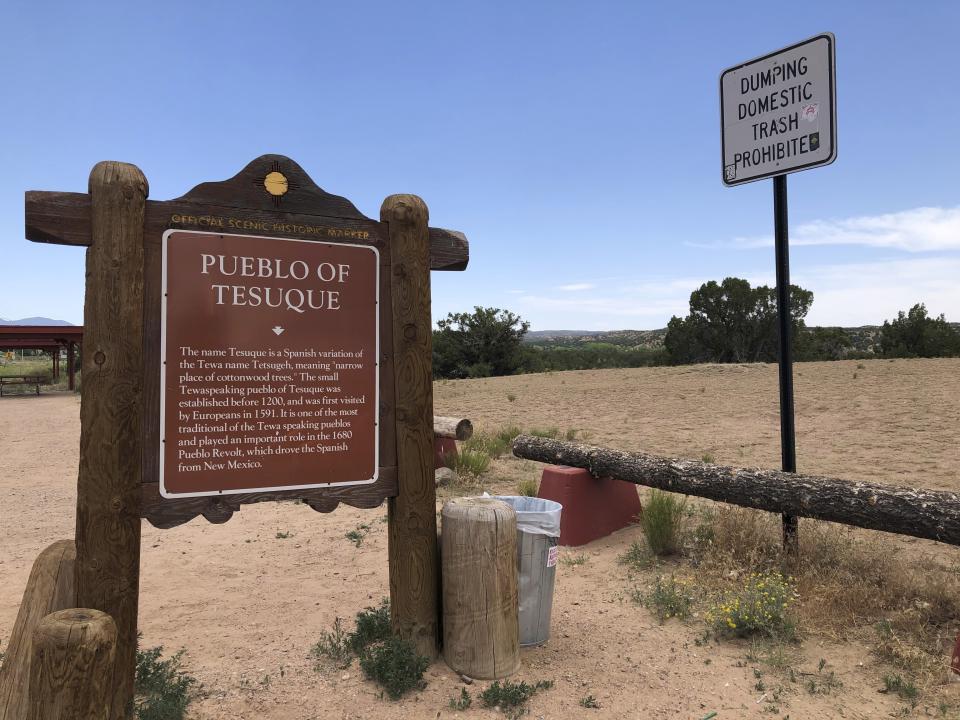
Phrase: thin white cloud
pixel 925 229
pixel 847 295
pixel 575 287
pixel 868 293
pixel 651 300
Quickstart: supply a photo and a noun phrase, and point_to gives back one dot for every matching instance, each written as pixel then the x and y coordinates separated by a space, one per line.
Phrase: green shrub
pixel 589 702
pixel 636 557
pixel 162 689
pixel 476 443
pixel 339 647
pixel 511 697
pixel 463 702
pixel 759 607
pixel 661 522
pixel 493 444
pixel 357 535
pixel 333 646
pixel 503 440
pixel 373 625
pixel 468 463
pixel 551 433
pixel 906 689
pixel 395 665
pixel 669 598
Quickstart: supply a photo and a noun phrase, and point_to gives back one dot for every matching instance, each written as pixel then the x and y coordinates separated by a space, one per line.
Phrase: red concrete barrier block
pixel 592 507
pixel 442 447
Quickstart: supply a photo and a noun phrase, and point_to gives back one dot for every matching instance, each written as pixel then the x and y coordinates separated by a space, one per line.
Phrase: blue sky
pixel 576 144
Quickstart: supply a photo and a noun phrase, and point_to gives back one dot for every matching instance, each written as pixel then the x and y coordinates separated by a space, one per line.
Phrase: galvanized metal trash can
pixel 538 533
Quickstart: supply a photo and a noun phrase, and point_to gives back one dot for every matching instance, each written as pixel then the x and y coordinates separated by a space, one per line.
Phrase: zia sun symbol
pixel 276 184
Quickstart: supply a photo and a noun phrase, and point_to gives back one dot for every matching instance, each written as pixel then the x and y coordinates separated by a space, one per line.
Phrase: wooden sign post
pixel 293 334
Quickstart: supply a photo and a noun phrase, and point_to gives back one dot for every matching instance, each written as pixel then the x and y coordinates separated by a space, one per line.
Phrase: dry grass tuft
pixel 849 584
pixel 528 487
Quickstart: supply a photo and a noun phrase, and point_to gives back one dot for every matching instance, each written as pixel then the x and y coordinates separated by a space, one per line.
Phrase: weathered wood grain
pixel 63 218
pixel 449 249
pixel 246 190
pixel 50 587
pixel 452 427
pixel 111 411
pixel 412 529
pixel 479 569
pixel 71 671
pixel 164 513
pixel 934 515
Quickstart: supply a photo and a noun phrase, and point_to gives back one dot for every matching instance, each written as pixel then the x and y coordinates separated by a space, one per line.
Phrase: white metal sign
pixel 778 112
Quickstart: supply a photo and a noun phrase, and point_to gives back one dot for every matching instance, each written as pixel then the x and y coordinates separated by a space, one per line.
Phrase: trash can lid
pixel 535 515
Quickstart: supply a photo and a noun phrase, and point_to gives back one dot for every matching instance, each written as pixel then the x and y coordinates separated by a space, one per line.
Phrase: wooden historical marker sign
pixel 256 339
pixel 216 262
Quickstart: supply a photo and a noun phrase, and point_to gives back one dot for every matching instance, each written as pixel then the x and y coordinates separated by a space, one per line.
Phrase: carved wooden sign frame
pixel 117 481
pixel 271 197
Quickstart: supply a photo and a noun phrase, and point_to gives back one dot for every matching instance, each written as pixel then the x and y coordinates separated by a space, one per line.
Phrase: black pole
pixel 788 447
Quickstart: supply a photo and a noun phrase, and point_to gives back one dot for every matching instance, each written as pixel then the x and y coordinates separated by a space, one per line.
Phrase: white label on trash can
pixel 552 555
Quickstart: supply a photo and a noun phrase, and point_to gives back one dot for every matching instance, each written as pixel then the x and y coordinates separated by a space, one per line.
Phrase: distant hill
pixel 863 338
pixel 572 338
pixel 35 321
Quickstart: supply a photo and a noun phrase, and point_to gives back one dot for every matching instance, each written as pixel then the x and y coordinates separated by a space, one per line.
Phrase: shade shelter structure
pixel 47 338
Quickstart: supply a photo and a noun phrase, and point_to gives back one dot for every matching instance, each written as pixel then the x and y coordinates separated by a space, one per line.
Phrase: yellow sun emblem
pixel 276 183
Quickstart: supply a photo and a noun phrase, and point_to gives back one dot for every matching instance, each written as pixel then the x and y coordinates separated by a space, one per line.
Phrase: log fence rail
pixel 928 514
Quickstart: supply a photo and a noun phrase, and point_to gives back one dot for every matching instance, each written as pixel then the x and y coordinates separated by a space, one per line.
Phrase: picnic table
pixel 36 380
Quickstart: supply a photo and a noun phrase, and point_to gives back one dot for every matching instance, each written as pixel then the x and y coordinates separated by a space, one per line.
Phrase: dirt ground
pixel 247 604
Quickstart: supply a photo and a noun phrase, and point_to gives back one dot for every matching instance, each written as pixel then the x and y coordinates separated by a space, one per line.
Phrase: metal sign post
pixel 788 443
pixel 778 115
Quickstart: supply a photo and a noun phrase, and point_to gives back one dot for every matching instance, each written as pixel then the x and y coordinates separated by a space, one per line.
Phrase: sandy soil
pixel 247 605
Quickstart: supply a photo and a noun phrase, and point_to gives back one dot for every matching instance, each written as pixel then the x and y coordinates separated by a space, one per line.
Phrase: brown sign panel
pixel 270 364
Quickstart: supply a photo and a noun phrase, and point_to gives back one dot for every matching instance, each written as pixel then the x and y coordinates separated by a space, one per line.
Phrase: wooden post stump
pixel 479 572
pixel 50 587
pixel 452 427
pixel 71 670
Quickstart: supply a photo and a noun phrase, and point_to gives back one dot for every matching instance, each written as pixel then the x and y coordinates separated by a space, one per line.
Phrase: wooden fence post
pixel 412 532
pixel 71 669
pixel 50 587
pixel 481 631
pixel 108 486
